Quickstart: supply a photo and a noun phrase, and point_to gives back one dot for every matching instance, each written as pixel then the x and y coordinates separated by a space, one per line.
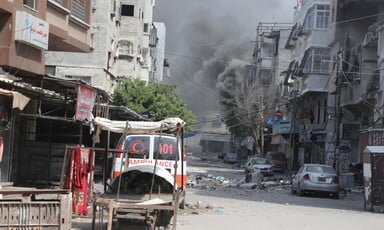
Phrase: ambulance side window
pixel 165 148
pixel 138 146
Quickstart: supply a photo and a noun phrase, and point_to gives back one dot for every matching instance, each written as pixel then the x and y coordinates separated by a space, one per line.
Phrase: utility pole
pixel 339 66
pixel 262 125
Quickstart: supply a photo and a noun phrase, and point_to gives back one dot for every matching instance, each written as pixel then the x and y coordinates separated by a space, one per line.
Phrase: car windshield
pixel 320 169
pixel 260 161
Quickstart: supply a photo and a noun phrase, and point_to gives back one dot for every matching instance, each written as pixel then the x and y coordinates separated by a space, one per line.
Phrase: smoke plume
pixel 209 41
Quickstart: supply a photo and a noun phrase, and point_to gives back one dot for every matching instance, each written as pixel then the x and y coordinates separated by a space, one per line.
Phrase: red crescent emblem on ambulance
pixel 137 146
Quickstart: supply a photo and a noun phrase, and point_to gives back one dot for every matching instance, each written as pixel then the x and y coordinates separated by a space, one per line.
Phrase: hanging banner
pixel 85 101
pixel 1 148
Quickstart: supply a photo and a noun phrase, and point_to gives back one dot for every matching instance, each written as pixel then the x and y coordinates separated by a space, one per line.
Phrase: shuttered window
pixel 29 3
pixel 78 9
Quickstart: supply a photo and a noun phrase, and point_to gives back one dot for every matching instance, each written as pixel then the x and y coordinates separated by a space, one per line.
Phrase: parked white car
pixel 317 178
pixel 259 164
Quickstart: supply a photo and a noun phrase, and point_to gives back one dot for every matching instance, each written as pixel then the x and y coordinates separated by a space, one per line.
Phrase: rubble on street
pixel 258 182
pixel 231 180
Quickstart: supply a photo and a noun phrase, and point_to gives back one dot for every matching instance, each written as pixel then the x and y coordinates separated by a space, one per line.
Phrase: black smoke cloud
pixel 209 41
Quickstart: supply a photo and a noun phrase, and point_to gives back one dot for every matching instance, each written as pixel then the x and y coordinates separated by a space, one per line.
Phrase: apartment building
pixel 356 46
pixel 270 59
pixel 159 60
pixel 120 46
pixel 332 93
pixel 134 52
pixel 308 78
pixel 96 67
pixel 54 25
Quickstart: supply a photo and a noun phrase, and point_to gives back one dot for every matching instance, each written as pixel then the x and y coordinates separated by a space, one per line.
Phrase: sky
pixel 208 41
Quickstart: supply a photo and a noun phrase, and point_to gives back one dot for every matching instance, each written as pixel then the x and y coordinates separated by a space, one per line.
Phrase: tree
pixel 245 114
pixel 156 100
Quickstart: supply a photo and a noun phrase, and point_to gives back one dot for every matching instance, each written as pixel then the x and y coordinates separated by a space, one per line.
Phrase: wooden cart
pixel 155 210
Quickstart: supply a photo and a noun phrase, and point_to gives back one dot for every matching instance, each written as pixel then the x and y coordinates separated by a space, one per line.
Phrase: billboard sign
pixel 31 30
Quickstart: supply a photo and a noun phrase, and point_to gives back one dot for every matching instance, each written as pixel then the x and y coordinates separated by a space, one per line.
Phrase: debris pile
pixel 198 207
pixel 207 182
pixel 255 181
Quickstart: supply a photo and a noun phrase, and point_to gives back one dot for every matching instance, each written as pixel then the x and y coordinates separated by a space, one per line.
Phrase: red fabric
pixel 1 148
pixel 79 165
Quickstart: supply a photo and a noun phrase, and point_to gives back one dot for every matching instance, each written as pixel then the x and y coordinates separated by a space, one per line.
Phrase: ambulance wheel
pixel 182 204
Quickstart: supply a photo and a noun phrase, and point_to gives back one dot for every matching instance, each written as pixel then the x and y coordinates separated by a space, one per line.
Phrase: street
pixel 214 204
pixel 273 207
pixel 279 210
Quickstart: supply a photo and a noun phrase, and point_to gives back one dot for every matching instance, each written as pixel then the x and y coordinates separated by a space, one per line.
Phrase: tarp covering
pixel 170 124
pixel 19 100
pixel 374 149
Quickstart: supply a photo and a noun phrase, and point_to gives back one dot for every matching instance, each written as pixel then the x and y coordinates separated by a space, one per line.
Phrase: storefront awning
pixel 19 100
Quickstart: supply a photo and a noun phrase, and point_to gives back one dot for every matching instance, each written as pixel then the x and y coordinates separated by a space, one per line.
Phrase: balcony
pixel 266 63
pixel 314 83
pixel 362 69
pixel 69 25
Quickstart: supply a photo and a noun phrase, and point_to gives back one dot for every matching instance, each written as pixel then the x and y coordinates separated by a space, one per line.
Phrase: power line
pixel 360 18
pixel 242 114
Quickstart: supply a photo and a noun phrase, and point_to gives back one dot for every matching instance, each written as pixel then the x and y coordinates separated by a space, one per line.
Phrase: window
pixel 317 17
pixel 165 148
pixel 325 110
pixel 322 16
pixel 78 9
pixel 138 146
pixel 50 70
pixel 266 51
pixel 318 118
pixel 146 28
pixel 321 61
pixel 317 61
pixel 127 10
pixel 265 76
pixel 29 3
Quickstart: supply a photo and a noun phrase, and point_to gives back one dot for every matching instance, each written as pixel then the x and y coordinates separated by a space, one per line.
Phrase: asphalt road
pixel 213 204
pixel 272 207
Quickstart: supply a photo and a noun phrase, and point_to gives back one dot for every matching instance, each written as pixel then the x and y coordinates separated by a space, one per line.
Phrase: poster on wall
pixel 85 101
